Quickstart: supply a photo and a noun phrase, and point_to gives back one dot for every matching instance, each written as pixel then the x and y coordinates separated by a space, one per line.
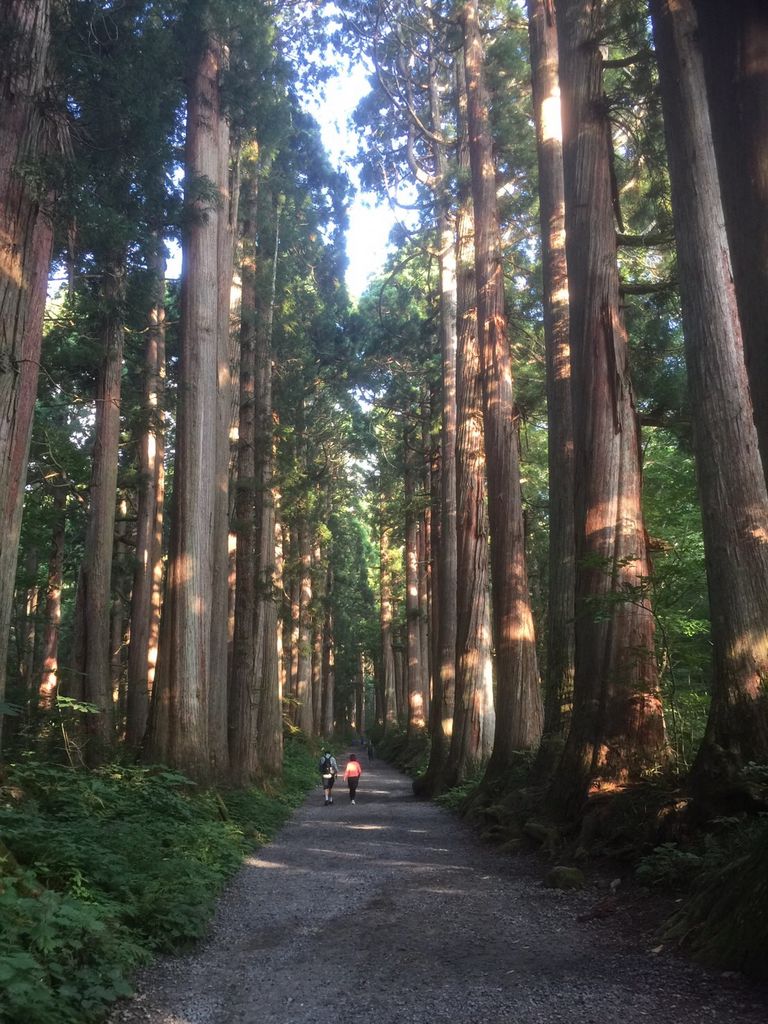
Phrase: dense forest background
pixel 506 514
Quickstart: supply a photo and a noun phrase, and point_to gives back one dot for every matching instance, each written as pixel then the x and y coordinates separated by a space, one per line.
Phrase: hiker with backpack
pixel 329 769
pixel 352 774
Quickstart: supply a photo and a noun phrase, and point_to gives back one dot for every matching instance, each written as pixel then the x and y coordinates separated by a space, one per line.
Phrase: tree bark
pixel 617 728
pixel 25 250
pixel 270 723
pixel 244 693
pixel 146 594
pixel 445 605
pixel 304 669
pixel 558 680
pixel 329 677
pixel 731 482
pixel 518 706
pixel 474 716
pixel 734 40
pixel 414 672
pixel 28 626
pixel 227 343
pixel 50 648
pixel 270 558
pixel 295 591
pixel 318 622
pixel 184 667
pixel 94 584
pixel 386 612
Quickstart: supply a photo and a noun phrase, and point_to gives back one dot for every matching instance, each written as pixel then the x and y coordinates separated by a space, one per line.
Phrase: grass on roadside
pixel 100 870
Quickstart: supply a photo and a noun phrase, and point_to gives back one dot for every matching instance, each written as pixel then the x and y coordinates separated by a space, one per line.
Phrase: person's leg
pixel 353 788
pixel 330 789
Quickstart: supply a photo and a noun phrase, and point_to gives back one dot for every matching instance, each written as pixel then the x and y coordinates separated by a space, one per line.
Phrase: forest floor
pixel 393 911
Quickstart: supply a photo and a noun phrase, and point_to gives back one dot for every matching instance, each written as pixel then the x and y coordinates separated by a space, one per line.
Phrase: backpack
pixel 326 765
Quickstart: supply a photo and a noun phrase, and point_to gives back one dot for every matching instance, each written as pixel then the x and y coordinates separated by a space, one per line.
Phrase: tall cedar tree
pixel 558 684
pixel 473 716
pixel 734 40
pixel 518 705
pixel 731 482
pixel 25 251
pixel 617 729
pixel 441 718
pixel 146 595
pixel 244 673
pixel 179 722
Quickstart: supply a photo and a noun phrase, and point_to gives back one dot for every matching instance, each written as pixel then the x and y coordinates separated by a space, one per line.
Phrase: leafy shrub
pixel 455 798
pixel 103 868
pixel 670 866
pixel 725 922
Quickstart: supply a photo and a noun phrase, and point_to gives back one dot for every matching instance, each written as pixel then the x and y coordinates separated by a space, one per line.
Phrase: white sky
pixel 369 220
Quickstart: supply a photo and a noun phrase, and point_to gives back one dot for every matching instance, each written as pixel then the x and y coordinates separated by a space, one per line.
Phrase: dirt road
pixel 393 912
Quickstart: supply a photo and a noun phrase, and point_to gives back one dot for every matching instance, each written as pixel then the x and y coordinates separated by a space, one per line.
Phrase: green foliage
pixel 725 922
pixel 669 866
pixel 103 869
pixel 456 798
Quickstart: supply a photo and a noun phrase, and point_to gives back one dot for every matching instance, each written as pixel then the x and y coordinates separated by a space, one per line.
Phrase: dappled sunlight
pixel 561 297
pixel 369 828
pixel 551 125
pixel 257 862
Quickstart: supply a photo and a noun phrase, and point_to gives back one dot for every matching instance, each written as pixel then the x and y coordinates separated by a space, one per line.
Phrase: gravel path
pixel 393 911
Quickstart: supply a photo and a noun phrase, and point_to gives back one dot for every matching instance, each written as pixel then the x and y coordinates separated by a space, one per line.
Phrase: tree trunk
pixel 518 706
pixel 558 681
pixel 444 679
pixel 401 684
pixel 244 685
pixel 734 39
pixel 28 627
pixel 270 724
pixel 474 717
pixel 146 594
pixel 414 677
pixel 50 649
pixel 295 592
pixel 227 345
pixel 318 622
pixel 731 482
pixel 329 677
pixel 389 709
pixel 270 556
pixel 94 584
pixel 304 670
pixel 186 632
pixel 425 620
pixel 25 252
pixel 617 729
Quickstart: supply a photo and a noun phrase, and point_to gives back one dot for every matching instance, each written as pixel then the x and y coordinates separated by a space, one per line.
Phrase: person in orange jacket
pixel 352 774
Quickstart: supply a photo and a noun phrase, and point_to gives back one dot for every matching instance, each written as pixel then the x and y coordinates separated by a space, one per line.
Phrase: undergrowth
pixel 723 920
pixel 100 870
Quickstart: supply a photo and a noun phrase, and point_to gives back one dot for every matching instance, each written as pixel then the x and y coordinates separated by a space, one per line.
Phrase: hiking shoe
pixel 353 801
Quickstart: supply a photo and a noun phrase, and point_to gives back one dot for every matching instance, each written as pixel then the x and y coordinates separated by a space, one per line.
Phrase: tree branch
pixel 647 287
